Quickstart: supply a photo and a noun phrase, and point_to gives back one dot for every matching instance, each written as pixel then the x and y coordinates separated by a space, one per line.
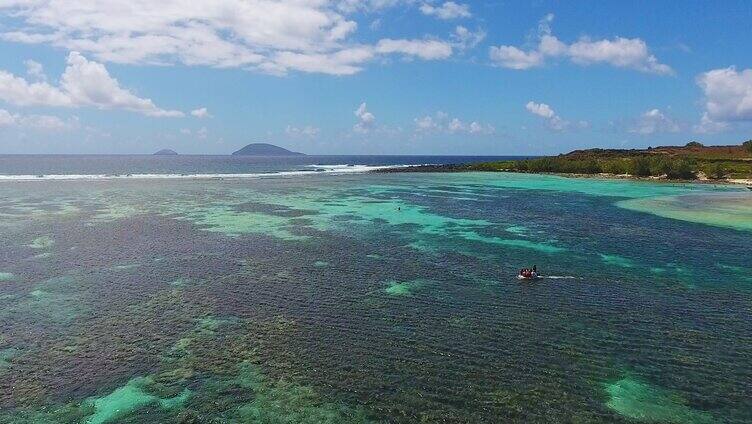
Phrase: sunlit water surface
pixel 374 298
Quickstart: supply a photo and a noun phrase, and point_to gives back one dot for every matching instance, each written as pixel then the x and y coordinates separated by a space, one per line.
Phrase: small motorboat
pixel 528 274
pixel 749 187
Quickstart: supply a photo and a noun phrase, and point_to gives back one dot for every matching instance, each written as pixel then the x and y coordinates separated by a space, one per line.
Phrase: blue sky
pixel 372 76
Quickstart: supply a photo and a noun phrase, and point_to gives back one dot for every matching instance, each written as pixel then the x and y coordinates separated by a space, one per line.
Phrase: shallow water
pixel 357 298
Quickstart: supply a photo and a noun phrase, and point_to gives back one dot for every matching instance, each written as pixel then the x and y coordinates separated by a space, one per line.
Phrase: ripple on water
pixel 253 344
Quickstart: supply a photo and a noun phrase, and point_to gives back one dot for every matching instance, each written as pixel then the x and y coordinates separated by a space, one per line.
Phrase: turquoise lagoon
pixel 375 298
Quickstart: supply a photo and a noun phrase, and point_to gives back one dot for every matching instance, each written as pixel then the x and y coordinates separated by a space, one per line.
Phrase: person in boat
pixel 529 272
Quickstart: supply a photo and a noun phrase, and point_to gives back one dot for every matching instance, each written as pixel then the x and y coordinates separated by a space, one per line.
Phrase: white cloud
pixel 709 126
pixel 350 6
pixel 35 70
pixel 441 123
pixel 366 119
pixel 272 36
pixel 620 52
pixel 424 49
pixel 728 94
pixel 553 121
pixel 18 91
pixel 540 109
pixel 513 58
pixel 306 131
pixel 84 83
pixel 466 39
pixel 727 99
pixel 350 61
pixel 201 113
pixel 342 62
pixel 88 83
pixel 48 123
pixel 37 122
pixel 426 124
pixel 558 124
pixel 202 133
pixel 7 119
pixel 448 10
pixel 654 121
pixel 478 128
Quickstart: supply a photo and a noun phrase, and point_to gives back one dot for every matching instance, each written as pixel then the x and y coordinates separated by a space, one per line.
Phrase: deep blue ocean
pixel 203 164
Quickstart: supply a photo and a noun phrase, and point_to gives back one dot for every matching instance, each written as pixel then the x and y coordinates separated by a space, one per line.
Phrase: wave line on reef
pixel 316 169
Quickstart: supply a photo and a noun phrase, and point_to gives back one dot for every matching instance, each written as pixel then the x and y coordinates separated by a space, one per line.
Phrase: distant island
pixel 264 149
pixel 166 152
pixel 690 162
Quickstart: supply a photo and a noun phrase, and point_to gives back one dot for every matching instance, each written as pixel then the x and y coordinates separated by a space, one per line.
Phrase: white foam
pixel 318 169
pixel 348 169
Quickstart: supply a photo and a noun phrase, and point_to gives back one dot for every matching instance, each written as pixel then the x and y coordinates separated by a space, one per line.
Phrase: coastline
pixel 455 168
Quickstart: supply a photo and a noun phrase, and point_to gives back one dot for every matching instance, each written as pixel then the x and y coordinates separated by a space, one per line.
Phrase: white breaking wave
pixel 316 169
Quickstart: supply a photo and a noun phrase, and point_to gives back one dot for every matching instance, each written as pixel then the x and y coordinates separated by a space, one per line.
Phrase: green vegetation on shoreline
pixel 690 162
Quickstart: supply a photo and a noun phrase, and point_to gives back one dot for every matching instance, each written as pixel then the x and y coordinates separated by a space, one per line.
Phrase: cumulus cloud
pixel 37 122
pixel 35 70
pixel 709 126
pixel 201 113
pixel 654 121
pixel 513 58
pixel 553 121
pixel 620 52
pixel 727 99
pixel 540 109
pixel 350 61
pixel 306 131
pixel 350 6
pixel 441 123
pixel 426 124
pixel 727 94
pixel 18 91
pixel 466 39
pixel 272 36
pixel 88 83
pixel 424 49
pixel 448 10
pixel 366 119
pixel 83 83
